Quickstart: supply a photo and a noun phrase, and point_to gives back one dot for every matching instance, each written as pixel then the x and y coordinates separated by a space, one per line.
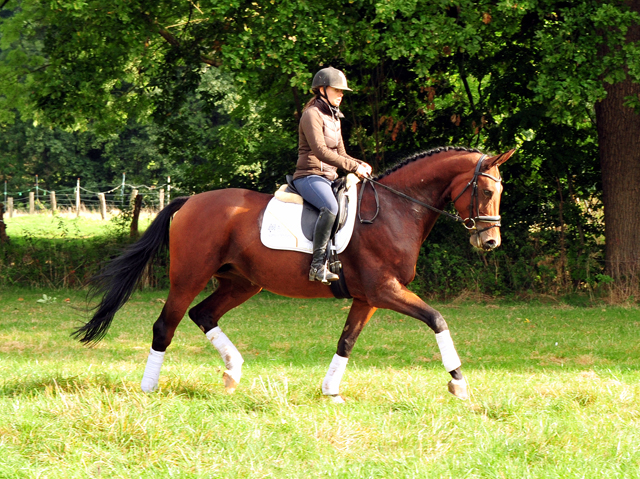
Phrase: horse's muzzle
pixel 484 241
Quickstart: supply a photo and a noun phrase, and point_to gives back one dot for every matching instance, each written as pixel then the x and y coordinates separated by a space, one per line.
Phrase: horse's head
pixel 476 196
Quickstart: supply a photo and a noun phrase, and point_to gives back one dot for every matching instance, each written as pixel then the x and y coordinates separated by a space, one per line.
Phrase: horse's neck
pixel 427 180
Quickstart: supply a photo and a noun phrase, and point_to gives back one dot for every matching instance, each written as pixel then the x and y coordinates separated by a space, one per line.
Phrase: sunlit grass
pixel 555 394
pixel 66 225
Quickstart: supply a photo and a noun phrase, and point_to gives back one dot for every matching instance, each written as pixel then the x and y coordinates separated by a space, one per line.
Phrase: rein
pixel 457 218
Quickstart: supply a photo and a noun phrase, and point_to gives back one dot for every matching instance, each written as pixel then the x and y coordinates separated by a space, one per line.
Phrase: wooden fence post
pixel 32 203
pixel 54 205
pixel 10 205
pixel 136 214
pixel 78 198
pixel 161 199
pixel 103 206
pixel 3 227
pixel 134 194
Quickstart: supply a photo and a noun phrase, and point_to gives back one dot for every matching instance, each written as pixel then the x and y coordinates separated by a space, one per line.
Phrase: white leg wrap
pixel 450 358
pixel 331 383
pixel 152 371
pixel 230 355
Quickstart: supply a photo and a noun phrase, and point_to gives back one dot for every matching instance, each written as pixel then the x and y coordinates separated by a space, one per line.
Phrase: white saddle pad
pixel 281 227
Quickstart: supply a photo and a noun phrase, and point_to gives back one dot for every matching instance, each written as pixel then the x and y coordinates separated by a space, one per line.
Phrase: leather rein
pixel 474 205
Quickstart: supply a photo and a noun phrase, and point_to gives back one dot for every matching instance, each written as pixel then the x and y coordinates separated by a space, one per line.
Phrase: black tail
pixel 116 281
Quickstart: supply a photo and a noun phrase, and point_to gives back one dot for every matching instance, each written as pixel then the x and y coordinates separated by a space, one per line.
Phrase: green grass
pixel 67 226
pixel 555 394
pixel 64 251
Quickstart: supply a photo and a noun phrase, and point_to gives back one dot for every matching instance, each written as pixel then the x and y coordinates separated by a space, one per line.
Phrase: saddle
pixel 277 233
pixel 310 213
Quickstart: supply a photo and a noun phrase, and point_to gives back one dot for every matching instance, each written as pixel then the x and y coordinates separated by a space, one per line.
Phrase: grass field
pixel 66 225
pixel 555 394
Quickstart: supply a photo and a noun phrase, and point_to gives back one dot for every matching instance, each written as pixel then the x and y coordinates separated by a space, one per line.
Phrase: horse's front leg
pixel 398 298
pixel 359 315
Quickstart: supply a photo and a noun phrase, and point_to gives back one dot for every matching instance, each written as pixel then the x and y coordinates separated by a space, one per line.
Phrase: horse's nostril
pixel 490 244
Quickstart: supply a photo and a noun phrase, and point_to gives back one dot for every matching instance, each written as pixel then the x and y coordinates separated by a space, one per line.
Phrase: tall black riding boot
pixel 319 271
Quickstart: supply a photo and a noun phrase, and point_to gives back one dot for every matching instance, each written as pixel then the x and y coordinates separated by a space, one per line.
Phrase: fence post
pixel 168 189
pixel 10 206
pixel 136 214
pixel 3 227
pixel 134 194
pixel 122 190
pixel 103 206
pixel 54 205
pixel 32 204
pixel 78 198
pixel 161 199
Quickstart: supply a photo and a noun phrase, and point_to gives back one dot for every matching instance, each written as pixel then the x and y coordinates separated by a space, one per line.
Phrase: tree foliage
pixel 221 84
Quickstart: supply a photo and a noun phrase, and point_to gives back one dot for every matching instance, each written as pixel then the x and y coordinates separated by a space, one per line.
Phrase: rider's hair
pixel 316 95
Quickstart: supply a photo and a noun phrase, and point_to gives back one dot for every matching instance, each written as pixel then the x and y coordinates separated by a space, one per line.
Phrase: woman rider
pixel 320 153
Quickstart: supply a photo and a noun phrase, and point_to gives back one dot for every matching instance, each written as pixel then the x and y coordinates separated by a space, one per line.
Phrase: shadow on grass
pixel 53 384
pixel 197 389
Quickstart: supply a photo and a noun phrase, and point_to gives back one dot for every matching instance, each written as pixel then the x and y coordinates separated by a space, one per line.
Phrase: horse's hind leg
pixel 164 328
pixel 230 293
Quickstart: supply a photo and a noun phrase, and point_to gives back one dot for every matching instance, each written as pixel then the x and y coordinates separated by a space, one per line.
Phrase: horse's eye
pixel 487 193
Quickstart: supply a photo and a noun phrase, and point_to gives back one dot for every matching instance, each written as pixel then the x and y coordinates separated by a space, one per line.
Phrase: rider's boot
pixel 319 271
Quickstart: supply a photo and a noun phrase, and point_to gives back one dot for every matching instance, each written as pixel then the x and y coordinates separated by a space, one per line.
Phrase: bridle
pixel 469 223
pixel 475 202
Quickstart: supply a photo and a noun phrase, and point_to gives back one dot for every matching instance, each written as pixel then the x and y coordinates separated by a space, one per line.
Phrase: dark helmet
pixel 330 77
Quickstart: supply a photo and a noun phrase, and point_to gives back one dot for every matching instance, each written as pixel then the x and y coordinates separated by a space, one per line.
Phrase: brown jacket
pixel 320 146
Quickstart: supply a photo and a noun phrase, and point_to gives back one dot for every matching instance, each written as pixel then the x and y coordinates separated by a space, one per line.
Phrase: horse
pixel 217 234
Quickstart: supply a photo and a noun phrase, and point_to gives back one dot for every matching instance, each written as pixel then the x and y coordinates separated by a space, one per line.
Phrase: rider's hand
pixel 364 170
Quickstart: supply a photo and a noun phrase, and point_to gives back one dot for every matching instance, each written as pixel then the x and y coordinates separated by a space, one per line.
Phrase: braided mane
pixel 422 154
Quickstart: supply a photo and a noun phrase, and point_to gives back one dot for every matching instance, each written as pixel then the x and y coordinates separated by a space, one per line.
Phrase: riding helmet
pixel 330 77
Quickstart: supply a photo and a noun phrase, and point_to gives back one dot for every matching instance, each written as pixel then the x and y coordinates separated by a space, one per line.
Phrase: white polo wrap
pixel 230 355
pixel 450 358
pixel 331 383
pixel 151 374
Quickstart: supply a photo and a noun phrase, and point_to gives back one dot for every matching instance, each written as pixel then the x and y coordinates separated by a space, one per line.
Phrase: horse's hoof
pixel 337 398
pixel 458 387
pixel 230 384
pixel 148 387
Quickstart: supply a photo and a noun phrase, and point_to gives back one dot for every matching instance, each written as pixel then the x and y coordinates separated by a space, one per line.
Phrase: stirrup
pixel 323 275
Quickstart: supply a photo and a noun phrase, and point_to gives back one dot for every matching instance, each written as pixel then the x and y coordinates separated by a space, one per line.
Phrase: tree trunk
pixel 619 144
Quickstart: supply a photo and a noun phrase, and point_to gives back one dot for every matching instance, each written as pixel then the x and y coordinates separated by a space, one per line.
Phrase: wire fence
pixel 80 200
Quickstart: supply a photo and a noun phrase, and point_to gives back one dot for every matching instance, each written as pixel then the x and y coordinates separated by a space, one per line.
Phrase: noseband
pixel 474 205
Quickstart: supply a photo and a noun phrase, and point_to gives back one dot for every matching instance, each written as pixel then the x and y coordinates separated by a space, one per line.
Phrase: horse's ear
pixel 497 160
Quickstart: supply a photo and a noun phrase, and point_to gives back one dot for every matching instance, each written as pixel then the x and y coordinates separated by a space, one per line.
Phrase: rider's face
pixel 334 95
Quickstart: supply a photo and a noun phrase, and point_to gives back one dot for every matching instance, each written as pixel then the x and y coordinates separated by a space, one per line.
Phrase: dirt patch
pixel 12 347
pixel 280 346
pixel 472 297
pixel 586 360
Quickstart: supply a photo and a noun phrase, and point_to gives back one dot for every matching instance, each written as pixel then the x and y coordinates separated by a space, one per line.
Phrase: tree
pixel 59 157
pixel 619 139
pixel 225 81
pixel 582 57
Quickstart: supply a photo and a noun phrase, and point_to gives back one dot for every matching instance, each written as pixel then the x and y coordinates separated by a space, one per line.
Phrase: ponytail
pixel 316 96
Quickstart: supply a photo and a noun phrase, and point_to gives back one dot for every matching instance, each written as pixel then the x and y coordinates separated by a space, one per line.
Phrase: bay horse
pixel 217 234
